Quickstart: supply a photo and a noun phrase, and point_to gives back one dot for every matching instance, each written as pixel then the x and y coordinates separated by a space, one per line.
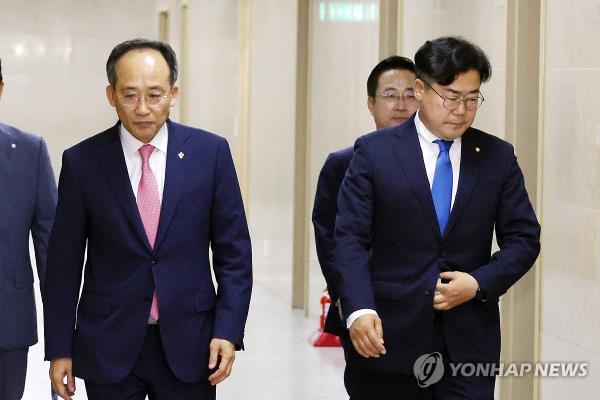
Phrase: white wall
pixel 272 124
pixel 53 62
pixel 571 197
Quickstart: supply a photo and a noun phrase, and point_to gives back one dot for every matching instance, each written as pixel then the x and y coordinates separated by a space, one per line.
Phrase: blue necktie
pixel 441 189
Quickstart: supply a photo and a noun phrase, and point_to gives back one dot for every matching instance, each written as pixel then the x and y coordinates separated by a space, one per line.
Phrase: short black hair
pixel 138 44
pixel 443 59
pixel 0 70
pixel 392 62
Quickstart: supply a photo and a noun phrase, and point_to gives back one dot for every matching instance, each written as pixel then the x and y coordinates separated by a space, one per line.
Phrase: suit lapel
pixel 177 161
pixel 7 156
pixel 112 161
pixel 407 148
pixel 469 174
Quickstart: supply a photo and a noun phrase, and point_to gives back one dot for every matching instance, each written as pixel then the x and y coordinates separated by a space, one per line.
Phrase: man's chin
pixel 453 134
pixel 144 133
pixel 397 121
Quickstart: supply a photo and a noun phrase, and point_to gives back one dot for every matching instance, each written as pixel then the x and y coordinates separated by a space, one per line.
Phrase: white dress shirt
pixel 157 161
pixel 432 150
pixel 430 153
pixel 133 158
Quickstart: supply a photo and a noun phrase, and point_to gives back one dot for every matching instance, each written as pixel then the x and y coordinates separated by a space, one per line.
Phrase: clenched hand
pixel 461 288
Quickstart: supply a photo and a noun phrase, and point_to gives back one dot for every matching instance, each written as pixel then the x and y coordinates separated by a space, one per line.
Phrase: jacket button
pixel 153 262
pixel 428 291
pixel 147 299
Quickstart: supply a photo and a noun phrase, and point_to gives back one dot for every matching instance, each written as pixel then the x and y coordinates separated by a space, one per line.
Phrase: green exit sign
pixel 348 12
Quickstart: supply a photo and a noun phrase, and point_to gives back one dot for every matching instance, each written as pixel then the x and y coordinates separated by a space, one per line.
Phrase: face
pixel 443 123
pixel 142 73
pixel 394 100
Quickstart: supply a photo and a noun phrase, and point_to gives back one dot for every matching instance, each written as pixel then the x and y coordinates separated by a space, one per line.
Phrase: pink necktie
pixel 148 202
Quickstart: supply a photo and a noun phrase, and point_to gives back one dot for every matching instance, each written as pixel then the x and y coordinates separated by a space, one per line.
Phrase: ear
pixel 371 104
pixel 419 89
pixel 174 94
pixel 110 95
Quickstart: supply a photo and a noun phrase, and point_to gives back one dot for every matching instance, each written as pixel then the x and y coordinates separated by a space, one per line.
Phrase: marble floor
pixel 279 363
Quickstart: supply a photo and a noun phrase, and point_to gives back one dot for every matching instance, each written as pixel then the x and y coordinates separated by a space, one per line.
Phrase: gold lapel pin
pixel 181 155
pixel 477 149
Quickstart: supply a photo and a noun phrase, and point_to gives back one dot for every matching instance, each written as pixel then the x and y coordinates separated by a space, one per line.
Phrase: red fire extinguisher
pixel 325 339
pixel 325 304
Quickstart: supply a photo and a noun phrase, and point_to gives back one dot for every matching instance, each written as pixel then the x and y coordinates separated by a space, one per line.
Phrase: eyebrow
pixel 475 91
pixel 155 87
pixel 396 89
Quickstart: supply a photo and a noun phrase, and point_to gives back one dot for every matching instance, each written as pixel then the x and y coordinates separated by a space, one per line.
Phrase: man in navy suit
pixel 417 211
pixel 391 101
pixel 28 199
pixel 148 197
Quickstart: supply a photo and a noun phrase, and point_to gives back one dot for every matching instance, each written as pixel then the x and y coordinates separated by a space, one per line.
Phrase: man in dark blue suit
pixel 28 199
pixel 391 101
pixel 148 197
pixel 417 211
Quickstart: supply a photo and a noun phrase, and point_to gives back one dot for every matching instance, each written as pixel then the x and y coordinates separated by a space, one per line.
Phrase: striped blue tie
pixel 441 189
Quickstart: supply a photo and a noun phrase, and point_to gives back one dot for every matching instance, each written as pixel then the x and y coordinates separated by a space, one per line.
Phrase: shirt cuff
pixel 358 313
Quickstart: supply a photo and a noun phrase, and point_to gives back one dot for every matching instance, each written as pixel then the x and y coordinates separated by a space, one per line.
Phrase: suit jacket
pixel 390 251
pixel 323 218
pixel 28 198
pixel 201 208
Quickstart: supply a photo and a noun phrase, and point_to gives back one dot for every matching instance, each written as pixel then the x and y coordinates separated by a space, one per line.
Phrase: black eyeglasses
pixel 472 103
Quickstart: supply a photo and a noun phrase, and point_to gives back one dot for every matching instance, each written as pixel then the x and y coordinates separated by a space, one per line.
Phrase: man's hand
pixel 223 352
pixel 59 368
pixel 366 334
pixel 461 288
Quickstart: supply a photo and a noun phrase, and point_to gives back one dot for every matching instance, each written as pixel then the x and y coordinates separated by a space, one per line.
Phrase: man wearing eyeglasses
pixel 28 202
pixel 149 197
pixel 417 211
pixel 391 101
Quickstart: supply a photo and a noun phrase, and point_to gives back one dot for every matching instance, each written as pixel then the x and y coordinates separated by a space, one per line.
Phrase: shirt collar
pixel 131 145
pixel 423 131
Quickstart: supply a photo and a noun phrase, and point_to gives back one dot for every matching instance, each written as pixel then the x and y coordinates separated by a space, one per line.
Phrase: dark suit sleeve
pixel 323 218
pixel 232 254
pixel 353 233
pixel 66 251
pixel 517 234
pixel 45 207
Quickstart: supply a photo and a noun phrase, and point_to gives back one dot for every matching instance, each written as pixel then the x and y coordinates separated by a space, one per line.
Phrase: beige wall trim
pixel 520 306
pixel 183 57
pixel 244 103
pixel 300 277
pixel 540 183
pixel 400 30
pixel 163 25
pixel 388 28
